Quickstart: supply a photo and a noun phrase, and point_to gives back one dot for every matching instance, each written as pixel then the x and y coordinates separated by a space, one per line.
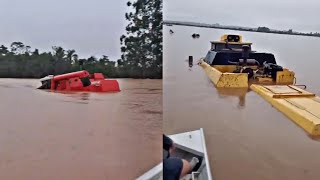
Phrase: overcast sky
pixel 91 27
pixel 300 15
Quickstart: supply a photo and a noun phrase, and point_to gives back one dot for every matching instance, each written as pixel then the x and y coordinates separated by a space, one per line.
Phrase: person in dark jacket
pixel 175 168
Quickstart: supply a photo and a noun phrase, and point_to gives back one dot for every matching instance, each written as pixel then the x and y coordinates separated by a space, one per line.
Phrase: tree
pixel 17 47
pixel 91 60
pixel 104 60
pixel 3 50
pixel 58 52
pixel 27 50
pixel 142 45
pixel 75 59
pixel 263 29
pixel 36 52
pixel 59 61
pixel 70 55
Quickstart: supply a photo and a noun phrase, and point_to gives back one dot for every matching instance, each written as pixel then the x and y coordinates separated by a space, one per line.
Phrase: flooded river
pixel 246 137
pixel 81 136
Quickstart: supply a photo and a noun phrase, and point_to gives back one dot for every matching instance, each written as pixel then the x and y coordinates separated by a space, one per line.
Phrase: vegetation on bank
pixel 19 61
pixel 141 49
pixel 290 31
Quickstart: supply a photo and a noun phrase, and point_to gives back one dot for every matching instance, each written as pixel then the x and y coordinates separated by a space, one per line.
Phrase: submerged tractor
pixel 79 81
pixel 232 63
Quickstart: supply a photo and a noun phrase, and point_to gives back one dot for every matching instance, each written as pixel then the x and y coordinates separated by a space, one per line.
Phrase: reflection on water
pixel 246 137
pixel 79 135
pixel 75 97
pixel 237 92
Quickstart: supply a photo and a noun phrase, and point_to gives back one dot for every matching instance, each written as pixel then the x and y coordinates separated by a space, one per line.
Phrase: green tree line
pixel 141 49
pixel 19 61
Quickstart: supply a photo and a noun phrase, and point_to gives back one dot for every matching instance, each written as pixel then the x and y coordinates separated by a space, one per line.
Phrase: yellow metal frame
pixel 300 106
pixel 224 38
pixel 222 80
pixel 229 68
pixel 285 77
pixel 222 76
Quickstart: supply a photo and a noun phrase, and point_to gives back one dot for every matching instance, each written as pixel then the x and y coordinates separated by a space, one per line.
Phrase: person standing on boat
pixel 175 168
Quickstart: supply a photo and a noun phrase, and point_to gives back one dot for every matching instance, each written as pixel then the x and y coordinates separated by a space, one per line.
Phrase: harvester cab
pixel 46 82
pixel 232 58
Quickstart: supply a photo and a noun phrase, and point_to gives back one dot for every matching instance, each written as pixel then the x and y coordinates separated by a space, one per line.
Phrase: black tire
pixel 249 71
pixel 86 81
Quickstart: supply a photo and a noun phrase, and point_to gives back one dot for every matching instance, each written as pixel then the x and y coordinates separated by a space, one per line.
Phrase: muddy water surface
pixel 246 137
pixel 45 135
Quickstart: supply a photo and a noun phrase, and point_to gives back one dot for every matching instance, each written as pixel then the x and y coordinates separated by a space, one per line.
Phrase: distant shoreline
pixel 217 26
pixel 105 78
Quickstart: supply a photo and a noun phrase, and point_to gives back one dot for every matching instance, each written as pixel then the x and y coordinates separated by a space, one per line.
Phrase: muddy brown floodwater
pixel 246 137
pixel 45 135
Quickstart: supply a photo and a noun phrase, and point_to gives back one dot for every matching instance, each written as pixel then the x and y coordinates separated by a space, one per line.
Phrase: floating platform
pixel 299 105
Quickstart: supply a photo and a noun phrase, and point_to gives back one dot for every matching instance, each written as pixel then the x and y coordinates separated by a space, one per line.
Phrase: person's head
pixel 167 142
pixel 167 146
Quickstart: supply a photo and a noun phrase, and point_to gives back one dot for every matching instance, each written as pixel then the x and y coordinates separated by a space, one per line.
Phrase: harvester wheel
pixel 249 71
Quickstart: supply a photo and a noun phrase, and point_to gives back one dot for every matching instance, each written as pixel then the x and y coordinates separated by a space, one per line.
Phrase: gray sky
pixel 275 14
pixel 91 27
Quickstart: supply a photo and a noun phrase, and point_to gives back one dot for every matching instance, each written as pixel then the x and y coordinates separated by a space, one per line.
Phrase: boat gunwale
pixel 150 174
pixel 205 154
